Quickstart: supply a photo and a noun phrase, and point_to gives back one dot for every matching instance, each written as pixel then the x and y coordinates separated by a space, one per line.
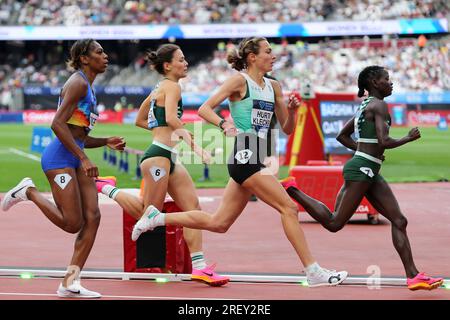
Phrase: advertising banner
pixel 40 139
pixel 14 117
pixel 334 115
pixel 427 118
pixel 226 30
pixel 38 116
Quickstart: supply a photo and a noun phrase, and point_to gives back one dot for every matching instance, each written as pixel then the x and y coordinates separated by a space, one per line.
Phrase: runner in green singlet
pixel 361 173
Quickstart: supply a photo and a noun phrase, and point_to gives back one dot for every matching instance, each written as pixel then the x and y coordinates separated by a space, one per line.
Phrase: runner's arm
pixel 345 135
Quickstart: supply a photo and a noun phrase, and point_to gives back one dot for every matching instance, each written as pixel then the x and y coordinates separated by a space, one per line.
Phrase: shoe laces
pixel 76 285
pixel 423 276
pixel 329 271
pixel 211 266
pixel 77 282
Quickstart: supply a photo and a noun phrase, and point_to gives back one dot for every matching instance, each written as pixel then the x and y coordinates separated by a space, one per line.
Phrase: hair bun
pixel 360 92
pixel 152 57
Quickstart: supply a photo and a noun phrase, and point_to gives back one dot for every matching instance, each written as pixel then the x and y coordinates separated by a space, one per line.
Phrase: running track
pixel 255 244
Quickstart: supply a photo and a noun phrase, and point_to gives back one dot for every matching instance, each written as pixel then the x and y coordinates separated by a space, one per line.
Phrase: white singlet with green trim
pixel 254 113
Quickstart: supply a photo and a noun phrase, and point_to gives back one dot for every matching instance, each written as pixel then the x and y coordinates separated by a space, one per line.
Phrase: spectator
pixel 331 66
pixel 85 12
pixel 101 107
pixel 118 106
pixel 6 99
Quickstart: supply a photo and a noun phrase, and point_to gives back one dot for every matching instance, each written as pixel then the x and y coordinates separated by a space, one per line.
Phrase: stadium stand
pixel 98 12
pixel 330 65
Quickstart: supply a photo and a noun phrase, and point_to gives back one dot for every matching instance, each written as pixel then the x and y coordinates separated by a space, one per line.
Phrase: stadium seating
pixel 332 66
pixel 86 12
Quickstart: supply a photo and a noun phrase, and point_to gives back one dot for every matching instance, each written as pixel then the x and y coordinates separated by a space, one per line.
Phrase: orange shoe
pixel 289 182
pixel 100 182
pixel 423 282
pixel 209 276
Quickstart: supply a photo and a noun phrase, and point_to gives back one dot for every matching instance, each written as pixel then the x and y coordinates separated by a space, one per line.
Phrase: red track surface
pixel 254 244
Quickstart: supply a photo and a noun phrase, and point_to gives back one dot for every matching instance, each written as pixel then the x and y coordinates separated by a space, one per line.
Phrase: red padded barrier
pixel 177 255
pixel 323 183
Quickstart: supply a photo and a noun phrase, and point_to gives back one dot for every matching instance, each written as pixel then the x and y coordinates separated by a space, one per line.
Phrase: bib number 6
pixel 157 173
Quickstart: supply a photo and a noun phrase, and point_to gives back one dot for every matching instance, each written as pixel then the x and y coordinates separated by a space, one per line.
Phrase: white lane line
pixel 105 200
pixel 25 154
pixel 120 297
pixel 298 279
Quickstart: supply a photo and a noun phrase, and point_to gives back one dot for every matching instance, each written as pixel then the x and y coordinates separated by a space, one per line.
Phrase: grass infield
pixel 424 160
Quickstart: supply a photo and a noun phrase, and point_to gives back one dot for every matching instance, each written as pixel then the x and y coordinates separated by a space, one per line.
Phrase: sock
pixel 198 260
pixel 72 273
pixel 160 219
pixel 313 269
pixel 110 191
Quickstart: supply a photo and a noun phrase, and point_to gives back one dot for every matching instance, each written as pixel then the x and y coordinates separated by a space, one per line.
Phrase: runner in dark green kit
pixel 161 114
pixel 361 173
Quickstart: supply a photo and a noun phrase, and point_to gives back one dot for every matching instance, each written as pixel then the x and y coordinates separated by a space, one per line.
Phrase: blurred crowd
pixel 59 12
pixel 95 12
pixel 333 66
pixel 329 66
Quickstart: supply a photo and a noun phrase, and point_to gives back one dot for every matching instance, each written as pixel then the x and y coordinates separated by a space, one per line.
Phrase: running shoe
pixel 326 277
pixel 76 290
pixel 100 182
pixel 209 276
pixel 289 182
pixel 147 222
pixel 423 282
pixel 17 194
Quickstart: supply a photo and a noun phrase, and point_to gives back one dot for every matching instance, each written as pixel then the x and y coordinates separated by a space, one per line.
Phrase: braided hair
pixel 365 76
pixel 80 48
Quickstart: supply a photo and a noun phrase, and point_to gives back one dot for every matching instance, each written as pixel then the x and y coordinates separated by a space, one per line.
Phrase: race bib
pixel 157 173
pixel 152 122
pixel 92 120
pixel 367 171
pixel 62 180
pixel 243 156
pixel 262 112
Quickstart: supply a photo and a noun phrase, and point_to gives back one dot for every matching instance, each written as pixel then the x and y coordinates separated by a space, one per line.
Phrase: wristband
pixel 221 123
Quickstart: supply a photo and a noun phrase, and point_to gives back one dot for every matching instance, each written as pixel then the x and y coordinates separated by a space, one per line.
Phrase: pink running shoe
pixel 208 276
pixel 423 282
pixel 100 182
pixel 289 182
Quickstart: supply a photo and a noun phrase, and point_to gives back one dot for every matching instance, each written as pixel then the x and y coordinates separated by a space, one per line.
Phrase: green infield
pixel 427 159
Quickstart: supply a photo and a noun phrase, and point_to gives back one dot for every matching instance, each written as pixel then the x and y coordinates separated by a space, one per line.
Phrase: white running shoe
pixel 146 223
pixel 17 194
pixel 326 278
pixel 76 290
